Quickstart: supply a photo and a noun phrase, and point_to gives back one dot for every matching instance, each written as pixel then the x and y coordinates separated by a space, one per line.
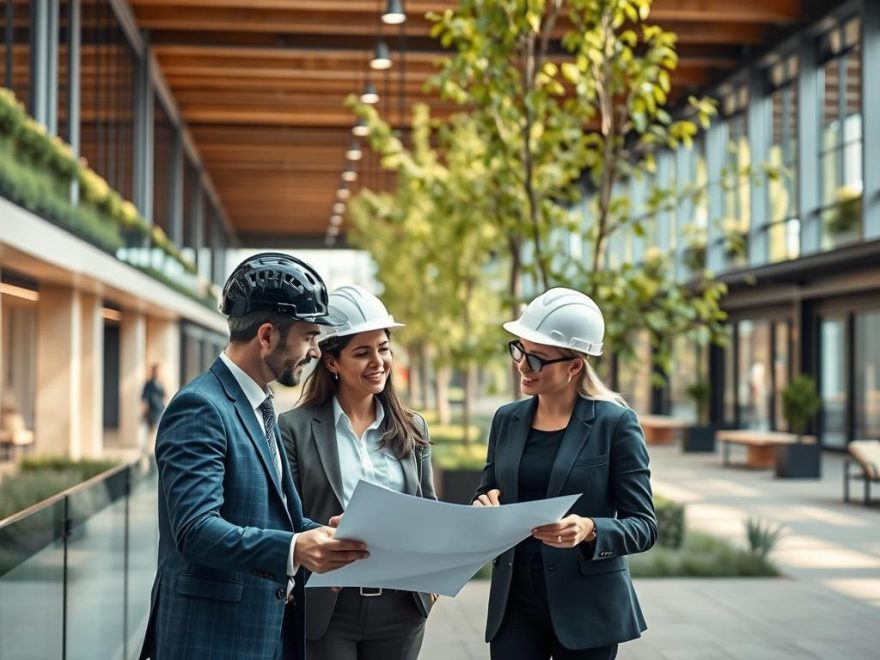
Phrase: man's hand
pixel 567 533
pixel 492 498
pixel 319 552
pixel 335 520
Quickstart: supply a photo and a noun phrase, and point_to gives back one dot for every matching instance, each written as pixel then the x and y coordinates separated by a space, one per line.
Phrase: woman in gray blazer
pixel 565 592
pixel 351 425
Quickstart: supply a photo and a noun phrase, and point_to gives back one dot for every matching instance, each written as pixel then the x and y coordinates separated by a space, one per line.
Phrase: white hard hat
pixel 354 310
pixel 562 317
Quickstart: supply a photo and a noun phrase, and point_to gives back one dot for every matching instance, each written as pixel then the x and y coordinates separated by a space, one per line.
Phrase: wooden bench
pixel 866 459
pixel 662 429
pixel 760 445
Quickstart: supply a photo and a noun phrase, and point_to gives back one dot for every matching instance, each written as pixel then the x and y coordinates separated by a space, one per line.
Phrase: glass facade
pixel 735 179
pixel 634 374
pixel 689 365
pixel 107 112
pixel 832 380
pixel 164 136
pixel 840 154
pixel 783 225
pixel 867 375
pixel 15 31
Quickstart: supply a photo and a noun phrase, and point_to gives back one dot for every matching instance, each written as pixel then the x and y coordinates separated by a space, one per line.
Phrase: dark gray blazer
pixel 602 455
pixel 310 439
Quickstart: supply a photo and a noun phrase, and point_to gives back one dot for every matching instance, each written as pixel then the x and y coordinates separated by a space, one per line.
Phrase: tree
pixel 430 242
pixel 587 110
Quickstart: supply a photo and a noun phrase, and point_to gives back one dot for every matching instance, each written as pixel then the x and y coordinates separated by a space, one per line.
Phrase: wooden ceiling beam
pixel 752 11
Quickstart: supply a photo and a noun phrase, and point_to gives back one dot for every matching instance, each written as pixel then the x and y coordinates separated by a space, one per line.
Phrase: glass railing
pixel 76 569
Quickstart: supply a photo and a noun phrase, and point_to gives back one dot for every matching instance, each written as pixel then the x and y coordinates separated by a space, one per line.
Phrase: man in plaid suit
pixel 232 536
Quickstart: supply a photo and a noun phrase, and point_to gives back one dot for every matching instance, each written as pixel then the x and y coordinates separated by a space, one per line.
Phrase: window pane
pixel 867 376
pixel 832 349
pixel 15 32
pixel 729 380
pixel 755 385
pixel 781 361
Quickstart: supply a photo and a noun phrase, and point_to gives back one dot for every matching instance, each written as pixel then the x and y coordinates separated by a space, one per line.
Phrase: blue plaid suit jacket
pixel 224 532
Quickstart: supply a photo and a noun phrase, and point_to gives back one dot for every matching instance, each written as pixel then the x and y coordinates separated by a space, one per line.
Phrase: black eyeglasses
pixel 535 363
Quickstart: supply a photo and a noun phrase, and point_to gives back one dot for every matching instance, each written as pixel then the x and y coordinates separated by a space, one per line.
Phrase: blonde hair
pixel 592 387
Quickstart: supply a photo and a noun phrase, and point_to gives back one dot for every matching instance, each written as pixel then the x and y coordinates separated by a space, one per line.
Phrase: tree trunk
pixel 442 378
pixel 467 377
pixel 416 393
pixel 514 293
pixel 424 366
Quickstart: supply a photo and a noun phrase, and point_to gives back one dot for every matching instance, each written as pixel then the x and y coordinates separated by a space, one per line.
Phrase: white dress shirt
pixel 361 457
pixel 255 396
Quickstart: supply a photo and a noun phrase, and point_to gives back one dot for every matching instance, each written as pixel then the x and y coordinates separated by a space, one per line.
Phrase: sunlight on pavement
pixel 865 589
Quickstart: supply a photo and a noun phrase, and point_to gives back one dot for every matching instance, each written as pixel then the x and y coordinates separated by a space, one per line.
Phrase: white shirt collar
pixel 339 413
pixel 252 391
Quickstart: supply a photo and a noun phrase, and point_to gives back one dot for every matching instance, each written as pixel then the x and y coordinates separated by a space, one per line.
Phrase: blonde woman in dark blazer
pixel 565 592
pixel 351 425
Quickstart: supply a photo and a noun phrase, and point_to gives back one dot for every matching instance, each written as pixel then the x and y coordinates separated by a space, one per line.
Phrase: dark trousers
pixel 527 631
pixel 386 627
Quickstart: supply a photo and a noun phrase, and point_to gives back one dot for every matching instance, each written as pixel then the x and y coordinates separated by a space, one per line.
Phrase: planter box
pixel 799 461
pixel 698 439
pixel 458 486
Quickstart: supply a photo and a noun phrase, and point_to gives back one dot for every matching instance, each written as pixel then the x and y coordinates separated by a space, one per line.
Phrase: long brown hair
pixel 401 435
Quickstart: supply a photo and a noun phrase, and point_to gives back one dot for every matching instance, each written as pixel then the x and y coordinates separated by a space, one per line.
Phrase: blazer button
pixel 280 593
pixel 551 567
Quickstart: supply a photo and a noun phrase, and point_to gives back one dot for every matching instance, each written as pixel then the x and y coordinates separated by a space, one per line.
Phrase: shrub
pixel 762 536
pixel 800 402
pixel 454 456
pixel 701 555
pixel 670 520
pixel 42 477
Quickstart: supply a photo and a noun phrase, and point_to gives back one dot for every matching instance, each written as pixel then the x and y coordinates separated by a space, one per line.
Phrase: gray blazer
pixel 310 439
pixel 602 455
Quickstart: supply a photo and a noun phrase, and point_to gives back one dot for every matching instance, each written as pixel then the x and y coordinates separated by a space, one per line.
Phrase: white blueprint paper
pixel 424 545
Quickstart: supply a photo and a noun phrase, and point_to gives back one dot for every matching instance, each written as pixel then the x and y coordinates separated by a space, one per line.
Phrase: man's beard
pixel 285 374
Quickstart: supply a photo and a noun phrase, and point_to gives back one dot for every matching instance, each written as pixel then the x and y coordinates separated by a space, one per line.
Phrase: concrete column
pixel 57 414
pixel 92 377
pixel 163 348
pixel 132 375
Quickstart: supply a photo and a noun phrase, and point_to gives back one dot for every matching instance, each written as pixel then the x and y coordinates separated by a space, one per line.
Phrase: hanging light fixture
pixel 370 96
pixel 335 219
pixel 342 192
pixel 354 151
pixel 339 208
pixel 349 174
pixel 360 128
pixel 381 56
pixel 393 13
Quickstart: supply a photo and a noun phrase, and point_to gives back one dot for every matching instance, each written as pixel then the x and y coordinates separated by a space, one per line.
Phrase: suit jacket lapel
pixel 411 482
pixel 509 450
pixel 248 420
pixel 324 437
pixel 576 435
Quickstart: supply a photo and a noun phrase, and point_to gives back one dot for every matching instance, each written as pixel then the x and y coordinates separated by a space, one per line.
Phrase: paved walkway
pixel 826 607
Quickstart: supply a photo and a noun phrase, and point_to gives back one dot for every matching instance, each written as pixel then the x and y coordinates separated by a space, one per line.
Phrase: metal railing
pixel 76 569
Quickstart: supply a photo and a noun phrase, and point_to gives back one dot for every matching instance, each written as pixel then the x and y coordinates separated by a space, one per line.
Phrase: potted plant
pixel 800 403
pixel 701 436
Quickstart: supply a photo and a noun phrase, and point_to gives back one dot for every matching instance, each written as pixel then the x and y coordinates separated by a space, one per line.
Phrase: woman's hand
pixel 567 533
pixel 492 498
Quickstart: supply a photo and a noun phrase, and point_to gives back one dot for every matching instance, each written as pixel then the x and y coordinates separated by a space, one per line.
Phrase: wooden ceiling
pixel 261 85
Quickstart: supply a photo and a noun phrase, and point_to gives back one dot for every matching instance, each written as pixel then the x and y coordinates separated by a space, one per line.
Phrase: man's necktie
pixel 269 427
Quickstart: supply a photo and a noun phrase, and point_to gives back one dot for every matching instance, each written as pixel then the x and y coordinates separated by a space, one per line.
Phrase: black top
pixel 534 475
